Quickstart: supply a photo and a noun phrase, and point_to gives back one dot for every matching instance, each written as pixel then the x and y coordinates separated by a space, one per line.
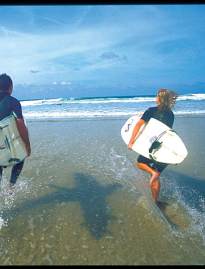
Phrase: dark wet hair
pixel 167 99
pixel 5 83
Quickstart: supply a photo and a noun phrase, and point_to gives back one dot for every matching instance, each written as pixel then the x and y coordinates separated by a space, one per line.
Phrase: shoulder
pixel 15 106
pixel 151 110
pixel 148 113
pixel 171 113
pixel 13 99
pixel 14 102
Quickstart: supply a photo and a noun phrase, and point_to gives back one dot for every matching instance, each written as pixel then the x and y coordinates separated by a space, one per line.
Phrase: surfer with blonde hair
pixel 165 100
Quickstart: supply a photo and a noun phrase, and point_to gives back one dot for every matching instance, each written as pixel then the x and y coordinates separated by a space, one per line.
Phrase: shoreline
pixel 96 118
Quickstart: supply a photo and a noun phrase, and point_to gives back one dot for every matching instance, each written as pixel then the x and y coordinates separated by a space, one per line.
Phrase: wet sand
pixel 80 200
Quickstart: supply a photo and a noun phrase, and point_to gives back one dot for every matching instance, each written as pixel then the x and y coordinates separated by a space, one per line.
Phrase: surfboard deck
pixel 12 148
pixel 155 141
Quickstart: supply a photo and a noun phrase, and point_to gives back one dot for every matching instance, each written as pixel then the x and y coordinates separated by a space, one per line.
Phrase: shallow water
pixel 80 200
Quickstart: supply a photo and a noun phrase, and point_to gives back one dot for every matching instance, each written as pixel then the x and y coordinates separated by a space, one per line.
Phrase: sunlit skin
pixel 154 180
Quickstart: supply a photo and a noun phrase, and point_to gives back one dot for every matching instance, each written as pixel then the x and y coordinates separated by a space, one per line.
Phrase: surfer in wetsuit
pixel 165 100
pixel 9 104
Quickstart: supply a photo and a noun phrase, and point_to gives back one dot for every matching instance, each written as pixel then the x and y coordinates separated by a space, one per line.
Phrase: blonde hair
pixel 167 99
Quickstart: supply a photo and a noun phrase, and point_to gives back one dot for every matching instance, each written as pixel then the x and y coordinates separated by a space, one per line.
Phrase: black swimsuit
pixel 167 117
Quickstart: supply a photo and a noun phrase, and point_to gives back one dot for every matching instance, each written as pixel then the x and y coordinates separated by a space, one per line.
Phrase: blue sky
pixel 104 45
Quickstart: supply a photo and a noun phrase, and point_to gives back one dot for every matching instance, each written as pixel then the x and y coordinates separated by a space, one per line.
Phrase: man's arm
pixel 23 131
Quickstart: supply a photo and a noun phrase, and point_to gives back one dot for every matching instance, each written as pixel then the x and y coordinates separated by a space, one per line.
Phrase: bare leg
pixel 155 187
pixel 154 180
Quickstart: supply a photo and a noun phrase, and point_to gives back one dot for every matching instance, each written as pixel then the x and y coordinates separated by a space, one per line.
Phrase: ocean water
pixel 191 104
pixel 80 200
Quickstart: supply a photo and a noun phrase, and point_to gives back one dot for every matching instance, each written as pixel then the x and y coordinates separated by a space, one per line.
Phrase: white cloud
pixel 124 30
pixel 65 82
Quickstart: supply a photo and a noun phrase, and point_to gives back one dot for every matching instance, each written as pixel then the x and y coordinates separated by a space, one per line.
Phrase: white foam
pixel 94 114
pixel 114 100
pixel 194 97
pixel 42 102
pixel 2 222
pixel 75 114
pixel 189 112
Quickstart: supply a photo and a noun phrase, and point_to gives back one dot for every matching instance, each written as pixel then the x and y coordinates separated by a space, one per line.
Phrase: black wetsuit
pixel 167 117
pixel 9 104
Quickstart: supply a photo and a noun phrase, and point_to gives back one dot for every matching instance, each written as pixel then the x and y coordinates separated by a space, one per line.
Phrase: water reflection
pixel 191 189
pixel 88 192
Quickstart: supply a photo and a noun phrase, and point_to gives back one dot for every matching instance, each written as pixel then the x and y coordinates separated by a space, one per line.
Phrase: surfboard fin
pixel 155 146
pixel 14 160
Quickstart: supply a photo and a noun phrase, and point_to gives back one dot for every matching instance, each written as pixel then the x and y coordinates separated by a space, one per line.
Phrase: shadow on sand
pixel 88 192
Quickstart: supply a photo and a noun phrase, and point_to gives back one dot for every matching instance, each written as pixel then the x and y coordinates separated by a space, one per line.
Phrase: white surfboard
pixel 12 148
pixel 155 141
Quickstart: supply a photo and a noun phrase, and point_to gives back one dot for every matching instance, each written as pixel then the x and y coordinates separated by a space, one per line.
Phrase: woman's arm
pixel 135 132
